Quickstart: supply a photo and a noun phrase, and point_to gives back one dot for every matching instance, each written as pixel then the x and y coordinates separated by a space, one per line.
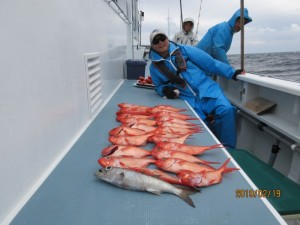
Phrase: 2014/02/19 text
pixel 261 193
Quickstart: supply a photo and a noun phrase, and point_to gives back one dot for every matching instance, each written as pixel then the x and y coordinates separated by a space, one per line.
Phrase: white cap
pixel 154 33
pixel 188 19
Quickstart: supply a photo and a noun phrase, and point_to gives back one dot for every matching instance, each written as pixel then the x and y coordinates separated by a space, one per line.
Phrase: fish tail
pixel 184 195
pixel 225 169
pixel 207 162
pixel 216 146
pixel 230 169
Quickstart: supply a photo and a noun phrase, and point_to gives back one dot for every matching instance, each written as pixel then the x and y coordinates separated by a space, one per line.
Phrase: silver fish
pixel 132 180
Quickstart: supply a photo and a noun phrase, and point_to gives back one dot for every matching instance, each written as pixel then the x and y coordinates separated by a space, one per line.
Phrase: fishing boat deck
pixel 72 195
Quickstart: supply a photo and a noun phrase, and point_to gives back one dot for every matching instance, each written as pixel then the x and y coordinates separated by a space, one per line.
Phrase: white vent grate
pixel 94 82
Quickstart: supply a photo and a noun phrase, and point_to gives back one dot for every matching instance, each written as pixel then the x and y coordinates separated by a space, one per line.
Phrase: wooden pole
pixel 242 34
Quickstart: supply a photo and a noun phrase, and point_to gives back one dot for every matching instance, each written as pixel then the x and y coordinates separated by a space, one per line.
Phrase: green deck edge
pixel 281 192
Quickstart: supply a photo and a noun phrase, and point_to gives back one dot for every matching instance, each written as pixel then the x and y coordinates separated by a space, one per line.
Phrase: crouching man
pixel 179 71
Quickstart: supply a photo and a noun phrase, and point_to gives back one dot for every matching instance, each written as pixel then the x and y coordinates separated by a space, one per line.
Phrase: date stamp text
pixel 260 193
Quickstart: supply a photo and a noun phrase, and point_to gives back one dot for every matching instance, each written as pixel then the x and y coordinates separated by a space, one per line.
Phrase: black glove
pixel 237 72
pixel 178 80
pixel 169 92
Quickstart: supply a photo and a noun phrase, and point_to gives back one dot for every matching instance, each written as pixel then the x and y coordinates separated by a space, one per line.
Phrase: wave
pixel 280 65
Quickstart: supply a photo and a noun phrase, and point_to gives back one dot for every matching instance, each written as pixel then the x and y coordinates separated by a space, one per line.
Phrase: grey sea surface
pixel 280 65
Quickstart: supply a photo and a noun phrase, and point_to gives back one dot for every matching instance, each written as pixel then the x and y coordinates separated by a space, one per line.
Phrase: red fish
pixel 127 115
pixel 173 124
pixel 204 178
pixel 125 162
pixel 127 151
pixel 133 111
pixel 181 140
pixel 141 126
pixel 189 149
pixel 124 130
pixel 174 115
pixel 164 108
pixel 162 133
pixel 173 132
pixel 128 105
pixel 159 174
pixel 138 120
pixel 174 120
pixel 176 165
pixel 178 130
pixel 137 140
pixel 160 153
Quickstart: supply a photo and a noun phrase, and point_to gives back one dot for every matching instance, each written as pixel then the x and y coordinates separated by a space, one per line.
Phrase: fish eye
pixel 107 157
pixel 100 170
pixel 108 168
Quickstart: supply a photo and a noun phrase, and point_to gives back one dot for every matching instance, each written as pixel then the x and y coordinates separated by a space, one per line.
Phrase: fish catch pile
pixel 126 163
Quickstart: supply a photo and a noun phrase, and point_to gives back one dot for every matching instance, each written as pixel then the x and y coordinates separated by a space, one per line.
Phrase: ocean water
pixel 280 65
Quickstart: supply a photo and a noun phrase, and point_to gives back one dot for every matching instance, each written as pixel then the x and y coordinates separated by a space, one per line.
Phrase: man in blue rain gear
pixel 179 71
pixel 217 41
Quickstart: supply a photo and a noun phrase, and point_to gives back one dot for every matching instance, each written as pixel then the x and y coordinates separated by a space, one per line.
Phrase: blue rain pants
pixel 224 114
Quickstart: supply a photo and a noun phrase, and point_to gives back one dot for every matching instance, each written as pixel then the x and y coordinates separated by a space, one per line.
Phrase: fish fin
pixel 153 191
pixel 123 165
pixel 197 189
pixel 120 181
pixel 125 186
pixel 121 176
pixel 229 169
pixel 156 176
pixel 184 195
pixel 204 162
pixel 216 146
pixel 212 182
pixel 193 190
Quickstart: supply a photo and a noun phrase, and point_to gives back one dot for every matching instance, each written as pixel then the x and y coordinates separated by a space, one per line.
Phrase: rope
pixel 198 17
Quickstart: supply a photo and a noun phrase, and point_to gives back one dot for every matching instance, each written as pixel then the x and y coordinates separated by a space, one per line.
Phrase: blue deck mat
pixel 72 195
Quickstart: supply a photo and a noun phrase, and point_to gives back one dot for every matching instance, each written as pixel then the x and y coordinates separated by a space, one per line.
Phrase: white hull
pixel 44 90
pixel 282 124
pixel 54 55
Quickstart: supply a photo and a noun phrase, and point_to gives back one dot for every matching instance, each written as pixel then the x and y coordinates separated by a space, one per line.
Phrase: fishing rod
pixel 181 19
pixel 242 34
pixel 198 18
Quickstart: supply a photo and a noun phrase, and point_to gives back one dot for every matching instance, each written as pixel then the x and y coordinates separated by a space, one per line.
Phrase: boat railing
pixel 282 121
pixel 285 117
pixel 118 10
pixel 281 85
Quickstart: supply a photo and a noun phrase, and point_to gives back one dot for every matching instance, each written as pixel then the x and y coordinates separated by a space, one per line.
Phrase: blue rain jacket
pixel 199 85
pixel 217 41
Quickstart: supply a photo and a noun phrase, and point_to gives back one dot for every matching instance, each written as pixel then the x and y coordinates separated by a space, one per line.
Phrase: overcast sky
pixel 275 26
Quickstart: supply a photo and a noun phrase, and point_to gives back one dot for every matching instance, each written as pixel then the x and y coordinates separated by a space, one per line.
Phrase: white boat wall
pixel 279 127
pixel 60 62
